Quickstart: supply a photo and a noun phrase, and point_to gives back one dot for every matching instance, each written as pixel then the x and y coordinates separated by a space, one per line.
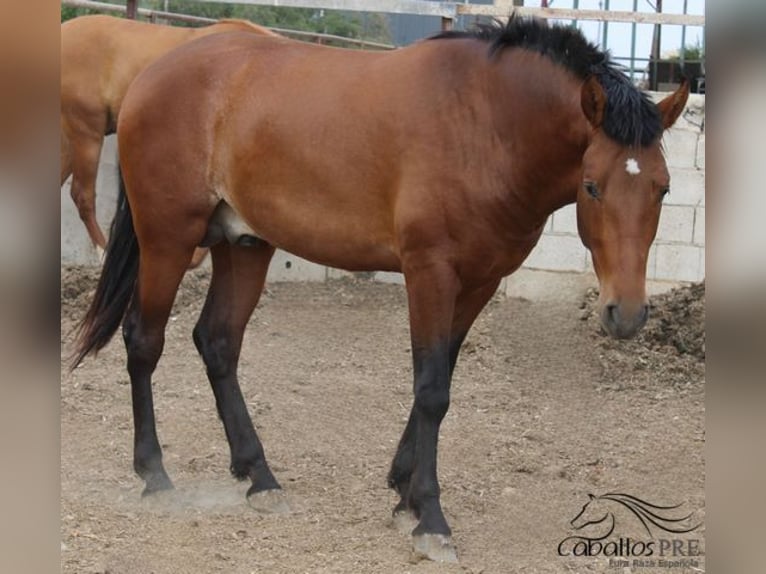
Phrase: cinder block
pixel 390 277
pixel 589 267
pixel 680 147
pixel 651 262
pixel 700 163
pixel 558 253
pixel 540 285
pixel 109 155
pixel 76 248
pixel 659 287
pixel 679 262
pixel 676 224
pixel 687 187
pixel 699 226
pixel 287 267
pixel 565 219
pixel 333 273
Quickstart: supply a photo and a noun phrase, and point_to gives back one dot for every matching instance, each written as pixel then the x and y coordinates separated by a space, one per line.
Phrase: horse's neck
pixel 543 128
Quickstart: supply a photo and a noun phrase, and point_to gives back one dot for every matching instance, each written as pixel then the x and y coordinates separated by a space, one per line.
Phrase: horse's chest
pixel 497 257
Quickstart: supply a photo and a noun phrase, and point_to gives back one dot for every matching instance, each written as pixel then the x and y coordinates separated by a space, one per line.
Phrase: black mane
pixel 630 118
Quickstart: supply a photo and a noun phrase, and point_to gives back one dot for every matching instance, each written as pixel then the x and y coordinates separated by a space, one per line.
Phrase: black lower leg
pixel 143 354
pixel 220 352
pixel 403 463
pixel 401 467
pixel 432 384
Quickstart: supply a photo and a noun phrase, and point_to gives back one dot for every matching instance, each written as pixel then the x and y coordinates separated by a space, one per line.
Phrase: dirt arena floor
pixel 545 411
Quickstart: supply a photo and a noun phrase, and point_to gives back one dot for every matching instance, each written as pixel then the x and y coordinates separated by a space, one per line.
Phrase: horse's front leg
pixel 432 290
pixel 437 545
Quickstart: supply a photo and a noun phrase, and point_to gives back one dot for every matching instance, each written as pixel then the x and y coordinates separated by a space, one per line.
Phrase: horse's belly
pixel 326 231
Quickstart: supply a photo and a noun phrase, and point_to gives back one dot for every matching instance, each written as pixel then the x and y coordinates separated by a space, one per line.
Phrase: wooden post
pixel 132 9
pixel 655 56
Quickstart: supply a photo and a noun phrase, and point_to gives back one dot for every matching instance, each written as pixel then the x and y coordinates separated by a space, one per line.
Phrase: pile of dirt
pixel 678 320
pixel 670 348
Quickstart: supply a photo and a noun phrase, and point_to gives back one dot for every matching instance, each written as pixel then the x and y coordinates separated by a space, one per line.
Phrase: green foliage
pixel 691 53
pixel 694 52
pixel 365 26
pixel 69 12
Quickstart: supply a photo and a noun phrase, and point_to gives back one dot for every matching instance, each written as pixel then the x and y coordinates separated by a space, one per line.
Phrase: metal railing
pixel 652 66
pixel 160 15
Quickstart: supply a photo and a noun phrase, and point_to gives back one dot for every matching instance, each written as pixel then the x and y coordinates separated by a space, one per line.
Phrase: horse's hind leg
pixel 144 333
pixel 199 256
pixel 65 157
pixel 239 274
pixel 85 152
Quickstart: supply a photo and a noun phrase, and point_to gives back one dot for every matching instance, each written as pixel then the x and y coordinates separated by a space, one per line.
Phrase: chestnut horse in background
pixel 441 160
pixel 100 57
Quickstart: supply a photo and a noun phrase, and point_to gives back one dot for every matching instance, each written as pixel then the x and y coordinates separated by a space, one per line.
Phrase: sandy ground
pixel 545 410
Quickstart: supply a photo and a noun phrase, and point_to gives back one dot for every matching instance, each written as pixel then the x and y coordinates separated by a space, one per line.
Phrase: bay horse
pixel 100 57
pixel 441 160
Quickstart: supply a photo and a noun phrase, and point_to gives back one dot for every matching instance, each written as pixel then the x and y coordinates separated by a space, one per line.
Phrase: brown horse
pixel 442 160
pixel 100 57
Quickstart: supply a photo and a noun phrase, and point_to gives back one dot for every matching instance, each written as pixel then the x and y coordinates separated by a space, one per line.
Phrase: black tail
pixel 115 286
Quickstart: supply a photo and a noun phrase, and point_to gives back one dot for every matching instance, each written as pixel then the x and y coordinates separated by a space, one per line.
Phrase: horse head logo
pixel 599 514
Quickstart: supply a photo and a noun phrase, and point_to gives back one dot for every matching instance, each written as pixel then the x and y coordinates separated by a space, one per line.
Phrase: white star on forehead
pixel 631 166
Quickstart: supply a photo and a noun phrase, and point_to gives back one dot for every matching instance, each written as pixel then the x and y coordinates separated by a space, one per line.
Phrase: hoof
pixel 269 501
pixel 157 484
pixel 404 521
pixel 436 547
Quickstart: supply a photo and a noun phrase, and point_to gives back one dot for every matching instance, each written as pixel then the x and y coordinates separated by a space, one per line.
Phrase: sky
pixel 619 34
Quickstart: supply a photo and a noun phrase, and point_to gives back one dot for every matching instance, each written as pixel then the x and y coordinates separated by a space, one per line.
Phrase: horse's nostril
pixel 612 313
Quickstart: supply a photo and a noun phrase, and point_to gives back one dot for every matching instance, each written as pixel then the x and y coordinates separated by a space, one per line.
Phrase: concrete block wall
pixel 559 261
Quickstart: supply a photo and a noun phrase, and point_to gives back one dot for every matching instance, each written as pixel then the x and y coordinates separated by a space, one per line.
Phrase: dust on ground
pixel 671 346
pixel 545 410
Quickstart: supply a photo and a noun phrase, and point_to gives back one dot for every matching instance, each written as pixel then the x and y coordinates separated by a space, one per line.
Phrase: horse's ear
pixel 672 106
pixel 593 101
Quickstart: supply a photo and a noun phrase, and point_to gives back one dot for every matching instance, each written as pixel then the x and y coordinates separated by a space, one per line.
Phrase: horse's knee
pixel 143 350
pixel 83 200
pixel 432 398
pixel 216 349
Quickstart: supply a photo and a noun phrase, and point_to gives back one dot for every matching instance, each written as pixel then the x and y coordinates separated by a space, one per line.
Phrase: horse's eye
pixel 592 189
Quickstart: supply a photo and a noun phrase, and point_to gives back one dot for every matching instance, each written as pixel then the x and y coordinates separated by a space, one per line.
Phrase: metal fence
pixel 650 67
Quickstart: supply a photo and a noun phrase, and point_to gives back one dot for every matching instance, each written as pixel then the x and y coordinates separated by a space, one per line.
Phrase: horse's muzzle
pixel 622 322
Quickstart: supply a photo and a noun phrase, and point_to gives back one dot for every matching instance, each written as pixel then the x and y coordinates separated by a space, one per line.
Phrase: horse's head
pixel 618 203
pixel 593 512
